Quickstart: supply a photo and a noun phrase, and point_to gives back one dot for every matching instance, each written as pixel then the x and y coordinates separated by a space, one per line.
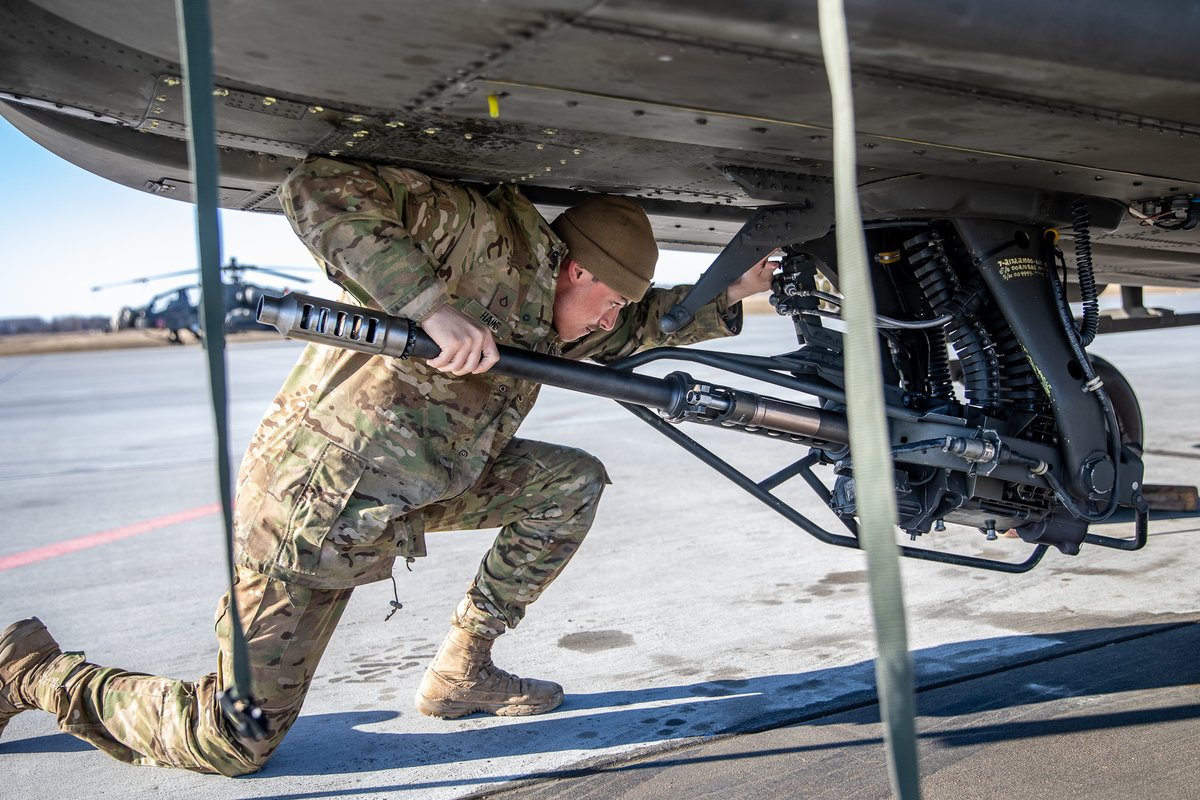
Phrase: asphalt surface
pixel 1111 716
pixel 705 645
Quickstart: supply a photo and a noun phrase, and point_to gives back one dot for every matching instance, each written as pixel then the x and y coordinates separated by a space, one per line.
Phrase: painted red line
pixel 104 537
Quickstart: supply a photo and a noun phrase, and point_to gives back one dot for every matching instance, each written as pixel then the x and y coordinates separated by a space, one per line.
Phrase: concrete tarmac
pixel 692 618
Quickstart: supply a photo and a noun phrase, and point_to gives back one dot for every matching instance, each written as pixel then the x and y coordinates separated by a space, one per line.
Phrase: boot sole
pixel 455 709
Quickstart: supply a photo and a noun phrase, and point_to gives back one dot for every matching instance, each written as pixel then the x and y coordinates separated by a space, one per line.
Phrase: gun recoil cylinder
pixel 678 395
pixel 734 408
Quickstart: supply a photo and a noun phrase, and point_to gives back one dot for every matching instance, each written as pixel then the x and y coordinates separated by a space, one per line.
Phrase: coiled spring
pixel 1081 228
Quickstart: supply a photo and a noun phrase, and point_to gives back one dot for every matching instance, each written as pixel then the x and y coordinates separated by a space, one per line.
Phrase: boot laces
pixel 500 679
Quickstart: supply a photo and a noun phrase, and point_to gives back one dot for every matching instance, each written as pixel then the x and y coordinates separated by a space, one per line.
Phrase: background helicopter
pixel 178 310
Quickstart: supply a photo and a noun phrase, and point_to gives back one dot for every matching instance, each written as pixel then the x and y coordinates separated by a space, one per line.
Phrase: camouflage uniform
pixel 359 455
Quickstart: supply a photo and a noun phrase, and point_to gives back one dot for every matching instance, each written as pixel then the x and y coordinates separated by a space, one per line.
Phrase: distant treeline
pixel 13 325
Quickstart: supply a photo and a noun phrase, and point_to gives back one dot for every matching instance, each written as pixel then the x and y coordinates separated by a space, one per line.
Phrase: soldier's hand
pixel 467 346
pixel 754 280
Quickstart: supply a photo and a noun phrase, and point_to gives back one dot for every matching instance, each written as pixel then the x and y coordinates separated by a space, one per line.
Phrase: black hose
pixel 1081 219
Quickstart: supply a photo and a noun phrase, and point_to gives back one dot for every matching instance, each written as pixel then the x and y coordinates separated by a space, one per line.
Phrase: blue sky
pixel 66 230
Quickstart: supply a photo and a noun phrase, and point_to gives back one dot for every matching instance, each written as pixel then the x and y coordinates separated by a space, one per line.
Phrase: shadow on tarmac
pixel 333 744
pixel 51 743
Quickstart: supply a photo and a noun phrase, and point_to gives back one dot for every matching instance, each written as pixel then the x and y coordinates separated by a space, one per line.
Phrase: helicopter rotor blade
pixel 276 273
pixel 233 266
pixel 145 279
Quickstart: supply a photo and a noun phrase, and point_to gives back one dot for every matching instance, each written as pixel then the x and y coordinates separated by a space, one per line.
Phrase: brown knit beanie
pixel 610 237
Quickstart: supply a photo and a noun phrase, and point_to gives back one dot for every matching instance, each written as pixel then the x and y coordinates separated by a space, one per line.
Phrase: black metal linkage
pixel 822 491
pixel 746 483
pixel 787 473
pixel 1141 528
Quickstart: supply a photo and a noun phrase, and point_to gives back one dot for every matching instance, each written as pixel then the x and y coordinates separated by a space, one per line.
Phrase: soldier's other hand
pixel 467 347
pixel 754 280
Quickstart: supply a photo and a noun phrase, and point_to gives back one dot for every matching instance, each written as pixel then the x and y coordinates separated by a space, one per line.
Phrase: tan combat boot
pixel 463 680
pixel 25 648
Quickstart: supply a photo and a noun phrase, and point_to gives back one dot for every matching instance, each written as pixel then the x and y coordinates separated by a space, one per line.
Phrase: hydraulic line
pixel 883 321
pixel 1081 228
pixel 880 319
pixel 975 451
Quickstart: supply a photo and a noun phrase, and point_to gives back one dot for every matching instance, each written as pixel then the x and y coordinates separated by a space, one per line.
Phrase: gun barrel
pixel 314 319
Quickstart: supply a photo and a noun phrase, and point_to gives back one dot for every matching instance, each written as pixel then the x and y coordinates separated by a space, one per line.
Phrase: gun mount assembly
pixel 1025 431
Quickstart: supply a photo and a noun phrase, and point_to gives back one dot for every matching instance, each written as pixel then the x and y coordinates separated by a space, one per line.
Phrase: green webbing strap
pixel 195 40
pixel 868 429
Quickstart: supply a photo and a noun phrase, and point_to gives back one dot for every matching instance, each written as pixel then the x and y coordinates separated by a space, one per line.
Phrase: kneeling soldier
pixel 360 455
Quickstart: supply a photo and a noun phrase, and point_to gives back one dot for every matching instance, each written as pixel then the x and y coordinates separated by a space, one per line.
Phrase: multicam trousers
pixel 542 496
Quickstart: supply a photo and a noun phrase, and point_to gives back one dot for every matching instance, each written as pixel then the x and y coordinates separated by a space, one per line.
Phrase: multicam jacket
pixel 354 446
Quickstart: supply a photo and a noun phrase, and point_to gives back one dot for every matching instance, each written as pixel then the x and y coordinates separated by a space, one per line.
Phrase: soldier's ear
pixel 575 272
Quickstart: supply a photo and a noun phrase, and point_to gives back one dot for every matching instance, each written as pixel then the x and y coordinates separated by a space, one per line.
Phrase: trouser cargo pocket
pixel 324 517
pixel 288 504
pixel 314 493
